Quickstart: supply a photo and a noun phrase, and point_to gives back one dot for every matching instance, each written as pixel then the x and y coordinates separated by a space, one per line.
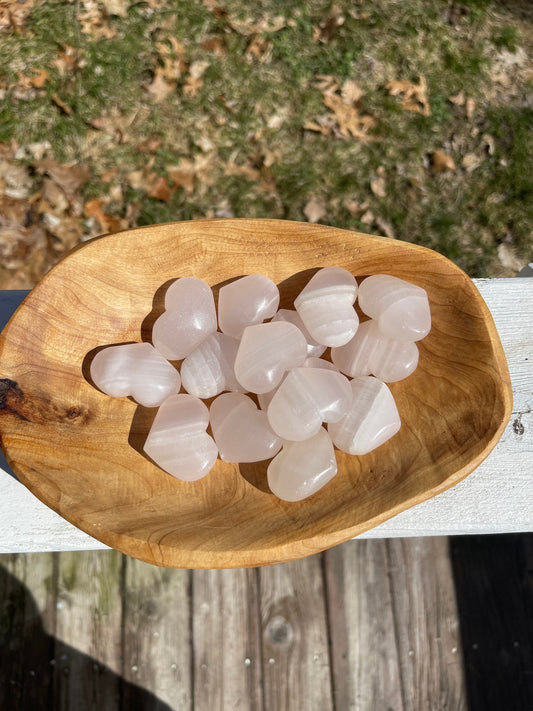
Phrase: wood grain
pixel 227 669
pixel 156 644
pixel 296 660
pixel 89 615
pixel 365 662
pixel 79 451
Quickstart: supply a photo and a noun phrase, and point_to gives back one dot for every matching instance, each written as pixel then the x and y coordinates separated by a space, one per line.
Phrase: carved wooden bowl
pixel 80 451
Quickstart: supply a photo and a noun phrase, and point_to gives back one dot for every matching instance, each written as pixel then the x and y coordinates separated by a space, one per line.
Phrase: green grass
pixel 249 110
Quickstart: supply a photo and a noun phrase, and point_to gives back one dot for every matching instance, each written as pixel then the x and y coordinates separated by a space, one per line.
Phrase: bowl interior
pixel 80 451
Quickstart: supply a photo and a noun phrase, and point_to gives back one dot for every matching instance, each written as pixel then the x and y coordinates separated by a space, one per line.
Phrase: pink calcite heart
pixel 371 421
pixel 209 369
pixel 400 308
pixel 189 318
pixel 135 369
pixel 306 398
pixel 241 431
pixel 371 353
pixel 265 352
pixel 302 468
pixel 245 302
pixel 325 305
pixel 178 441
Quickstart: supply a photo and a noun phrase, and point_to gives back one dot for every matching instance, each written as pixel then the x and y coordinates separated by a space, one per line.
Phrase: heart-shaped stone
pixel 400 308
pixel 265 352
pixel 209 369
pixel 372 419
pixel 245 302
pixel 326 306
pixel 302 468
pixel 178 442
pixel 313 348
pixel 311 362
pixel 370 352
pixel 305 399
pixel 241 431
pixel 135 369
pixel 189 318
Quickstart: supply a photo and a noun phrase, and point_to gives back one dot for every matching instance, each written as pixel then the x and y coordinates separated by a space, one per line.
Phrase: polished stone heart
pixel 245 302
pixel 306 398
pixel 135 369
pixel 189 318
pixel 302 468
pixel 178 441
pixel 209 369
pixel 400 308
pixel 325 305
pixel 313 348
pixel 372 419
pixel 371 353
pixel 265 399
pixel 241 431
pixel 265 352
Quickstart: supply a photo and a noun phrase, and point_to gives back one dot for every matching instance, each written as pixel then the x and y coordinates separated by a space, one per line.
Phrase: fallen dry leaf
pixel 94 22
pixel 13 15
pixel 350 121
pixel 260 48
pixel 351 92
pixel 160 88
pixel 470 162
pixel 458 99
pixel 315 209
pixel 116 7
pixel 440 162
pixel 161 190
pixel 266 24
pixel 385 228
pixel 414 96
pixel 40 79
pixel 377 185
pixel 470 107
pixel 192 85
pixel 69 177
pixel 61 105
pixel 508 258
pixel 68 60
pixel 368 218
pixel 215 44
pixel 183 175
pixel 108 223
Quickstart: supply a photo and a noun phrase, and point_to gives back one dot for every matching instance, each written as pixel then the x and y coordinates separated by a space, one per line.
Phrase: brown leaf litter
pixel 414 96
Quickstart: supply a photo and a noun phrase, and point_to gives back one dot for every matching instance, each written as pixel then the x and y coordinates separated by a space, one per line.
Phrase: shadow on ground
pixel 39 672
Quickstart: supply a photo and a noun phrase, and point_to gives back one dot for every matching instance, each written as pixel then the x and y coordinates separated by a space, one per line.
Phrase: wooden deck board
pixel 365 663
pixel 380 625
pixel 89 619
pixel 226 643
pixel 156 634
pixel 296 661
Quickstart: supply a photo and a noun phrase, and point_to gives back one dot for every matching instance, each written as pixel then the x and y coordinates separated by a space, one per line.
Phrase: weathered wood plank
pixel 296 661
pixel 226 643
pixel 426 625
pixel 364 653
pixel 494 584
pixel 27 614
pixel 88 648
pixel 156 641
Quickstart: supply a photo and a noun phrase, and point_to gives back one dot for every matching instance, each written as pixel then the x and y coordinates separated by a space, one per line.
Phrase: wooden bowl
pixel 80 451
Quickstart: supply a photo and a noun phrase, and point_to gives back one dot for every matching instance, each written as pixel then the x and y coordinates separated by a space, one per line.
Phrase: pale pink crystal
pixel 400 308
pixel 265 352
pixel 310 362
pixel 370 352
pixel 305 399
pixel 326 306
pixel 313 348
pixel 241 431
pixel 245 302
pixel 135 369
pixel 209 369
pixel 302 468
pixel 189 318
pixel 371 421
pixel 178 442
